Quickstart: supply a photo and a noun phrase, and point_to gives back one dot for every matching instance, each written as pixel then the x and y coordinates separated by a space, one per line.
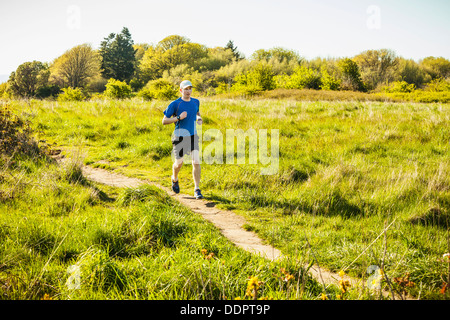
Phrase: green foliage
pixel 302 77
pixel 118 56
pixel 28 78
pixel 159 89
pixel 117 89
pixel 231 47
pixel 3 88
pixel 399 86
pixel 147 247
pixel 71 94
pixel 438 85
pixel 172 41
pixel 179 73
pixel 329 81
pixel 226 74
pixel 50 90
pixel 97 85
pixel 421 96
pixel 136 84
pixel 76 67
pixel 351 77
pixel 259 78
pixel 220 70
pixel 377 67
pixel 169 53
pixel 202 81
pixel 278 53
pixel 346 167
pixel 215 59
pixel 16 135
pixel 412 72
pixel 436 67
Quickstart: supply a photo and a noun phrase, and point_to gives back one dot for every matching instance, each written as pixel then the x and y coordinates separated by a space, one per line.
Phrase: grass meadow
pixel 360 185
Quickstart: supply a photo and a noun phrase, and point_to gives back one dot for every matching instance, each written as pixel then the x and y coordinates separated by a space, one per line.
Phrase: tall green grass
pixel 347 169
pixel 57 228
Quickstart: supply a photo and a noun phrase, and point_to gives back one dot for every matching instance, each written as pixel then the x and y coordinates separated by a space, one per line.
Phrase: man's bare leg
pixel 196 170
pixel 176 167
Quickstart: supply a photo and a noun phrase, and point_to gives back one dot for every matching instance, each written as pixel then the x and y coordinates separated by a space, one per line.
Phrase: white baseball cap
pixel 185 83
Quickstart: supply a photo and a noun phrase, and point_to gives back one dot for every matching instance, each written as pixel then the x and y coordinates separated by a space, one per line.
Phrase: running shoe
pixel 198 194
pixel 175 187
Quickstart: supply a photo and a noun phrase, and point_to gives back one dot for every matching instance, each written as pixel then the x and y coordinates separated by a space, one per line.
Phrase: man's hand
pixel 183 115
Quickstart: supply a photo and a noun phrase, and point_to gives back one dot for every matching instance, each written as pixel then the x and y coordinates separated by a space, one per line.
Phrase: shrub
pixel 15 135
pixel 71 94
pixel 328 81
pixel 3 89
pixel 97 85
pixel 351 76
pixel 438 85
pixel 227 73
pixel 117 89
pixel 259 78
pixel 302 77
pixel 262 76
pixel 159 89
pixel 399 86
pixel 242 85
pixel 136 84
pixel 421 96
pixel 222 88
pixel 48 91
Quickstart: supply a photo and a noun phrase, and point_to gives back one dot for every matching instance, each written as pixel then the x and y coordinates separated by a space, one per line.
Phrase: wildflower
pixel 444 288
pixel 324 296
pixel 287 276
pixel 252 287
pixel 344 285
pixel 206 255
pixel 47 297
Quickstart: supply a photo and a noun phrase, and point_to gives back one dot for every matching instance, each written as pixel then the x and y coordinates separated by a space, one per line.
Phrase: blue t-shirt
pixel 185 127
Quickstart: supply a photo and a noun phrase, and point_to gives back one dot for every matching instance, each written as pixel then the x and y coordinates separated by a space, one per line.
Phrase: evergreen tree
pixel 118 56
pixel 230 45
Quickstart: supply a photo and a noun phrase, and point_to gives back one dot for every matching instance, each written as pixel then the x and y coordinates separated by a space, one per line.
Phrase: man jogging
pixel 185 112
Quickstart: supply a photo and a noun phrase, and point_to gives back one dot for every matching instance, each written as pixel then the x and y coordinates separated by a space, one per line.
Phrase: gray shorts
pixel 184 145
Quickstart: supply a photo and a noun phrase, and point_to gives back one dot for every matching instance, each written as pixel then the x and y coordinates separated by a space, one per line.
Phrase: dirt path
pixel 229 223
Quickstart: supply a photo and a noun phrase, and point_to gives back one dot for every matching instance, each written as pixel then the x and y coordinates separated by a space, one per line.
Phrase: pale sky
pixel 43 30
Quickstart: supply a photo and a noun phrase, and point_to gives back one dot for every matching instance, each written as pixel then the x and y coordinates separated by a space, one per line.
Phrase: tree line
pixel 121 65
